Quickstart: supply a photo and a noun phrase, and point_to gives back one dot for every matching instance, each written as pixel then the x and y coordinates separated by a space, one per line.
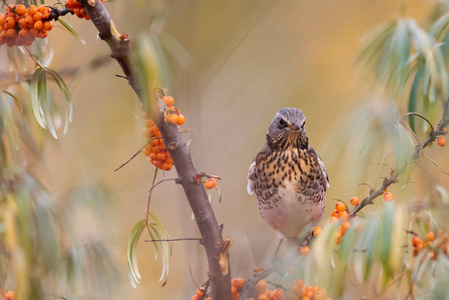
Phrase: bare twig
pixel 135 154
pixel 149 198
pixel 176 240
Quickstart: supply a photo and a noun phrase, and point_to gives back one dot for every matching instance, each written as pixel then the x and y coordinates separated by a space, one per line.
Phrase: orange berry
pixel 444 128
pixel 161 156
pixel 10 295
pixel 42 34
pixel 172 118
pixel 305 250
pixel 23 23
pixel 20 9
pixel 336 214
pixel 238 282
pixel 48 26
pixel 169 101
pixel 38 16
pixel 30 21
pixel 39 25
pixel 262 283
pixel 354 201
pixel 195 297
pixel 167 167
pixel 24 32
pixel 210 183
pixel 416 240
pixel 340 206
pixel 32 10
pixel 441 141
pixel 34 32
pixel 2 19
pixel 278 294
pixel 333 219
pixel 262 297
pixel 345 226
pixel 181 119
pixel 388 196
pixel 344 215
pixel 10 22
pixel 317 230
pixel 42 9
pixel 11 33
pixel 199 292
pixel 430 236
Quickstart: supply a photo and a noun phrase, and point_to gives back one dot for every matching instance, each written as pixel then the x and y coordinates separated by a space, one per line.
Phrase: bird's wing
pixel 323 169
pixel 252 178
pixel 252 175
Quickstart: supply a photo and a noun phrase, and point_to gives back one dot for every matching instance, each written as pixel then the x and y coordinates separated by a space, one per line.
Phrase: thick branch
pixel 180 153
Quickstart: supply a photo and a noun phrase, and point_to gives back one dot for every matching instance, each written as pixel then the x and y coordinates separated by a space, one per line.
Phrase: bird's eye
pixel 282 122
pixel 303 124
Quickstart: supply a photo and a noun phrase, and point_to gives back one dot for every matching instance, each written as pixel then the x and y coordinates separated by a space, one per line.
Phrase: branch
pixel 433 135
pixel 211 232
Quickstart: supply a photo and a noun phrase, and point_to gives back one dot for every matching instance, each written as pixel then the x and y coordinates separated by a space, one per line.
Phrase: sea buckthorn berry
pixel 430 236
pixel 317 230
pixel 344 215
pixel 10 22
pixel 2 19
pixel 48 26
pixel 354 201
pixel 416 240
pixel 10 295
pixel 42 34
pixel 39 25
pixel 195 297
pixel 30 21
pixel 340 206
pixel 336 214
pixel 210 183
pixel 42 9
pixel 345 226
pixel 388 196
pixel 441 141
pixel 172 118
pixel 38 16
pixel 199 292
pixel 169 101
pixel 333 219
pixel 262 297
pixel 20 9
pixel 304 250
pixel 238 282
pixel 34 32
pixel 23 24
pixel 11 33
pixel 181 119
pixel 32 10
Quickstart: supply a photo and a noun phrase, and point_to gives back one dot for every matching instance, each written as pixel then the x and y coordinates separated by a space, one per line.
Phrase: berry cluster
pixel 298 290
pixel 266 294
pixel 420 244
pixel 155 147
pixel 20 25
pixel 78 9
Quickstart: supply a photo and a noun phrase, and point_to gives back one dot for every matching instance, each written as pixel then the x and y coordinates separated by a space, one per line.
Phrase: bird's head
pixel 288 130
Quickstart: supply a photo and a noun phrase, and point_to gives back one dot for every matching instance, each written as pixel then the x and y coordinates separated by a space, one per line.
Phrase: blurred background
pixel 230 65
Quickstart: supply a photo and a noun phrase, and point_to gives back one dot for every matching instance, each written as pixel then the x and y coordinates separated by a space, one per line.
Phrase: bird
pixel 288 177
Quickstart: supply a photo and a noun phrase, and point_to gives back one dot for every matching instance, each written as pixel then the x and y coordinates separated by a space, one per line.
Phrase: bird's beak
pixel 296 127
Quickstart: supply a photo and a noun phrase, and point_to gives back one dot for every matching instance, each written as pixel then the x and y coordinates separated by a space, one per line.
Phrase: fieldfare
pixel 288 177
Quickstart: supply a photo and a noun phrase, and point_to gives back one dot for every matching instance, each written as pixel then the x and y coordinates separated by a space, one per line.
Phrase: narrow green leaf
pixel 66 92
pixel 45 103
pixel 133 269
pixel 34 91
pixel 72 31
pixel 414 96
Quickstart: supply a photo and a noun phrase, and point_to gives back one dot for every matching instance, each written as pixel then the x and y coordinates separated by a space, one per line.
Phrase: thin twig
pixel 149 198
pixel 434 163
pixel 137 153
pixel 175 240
